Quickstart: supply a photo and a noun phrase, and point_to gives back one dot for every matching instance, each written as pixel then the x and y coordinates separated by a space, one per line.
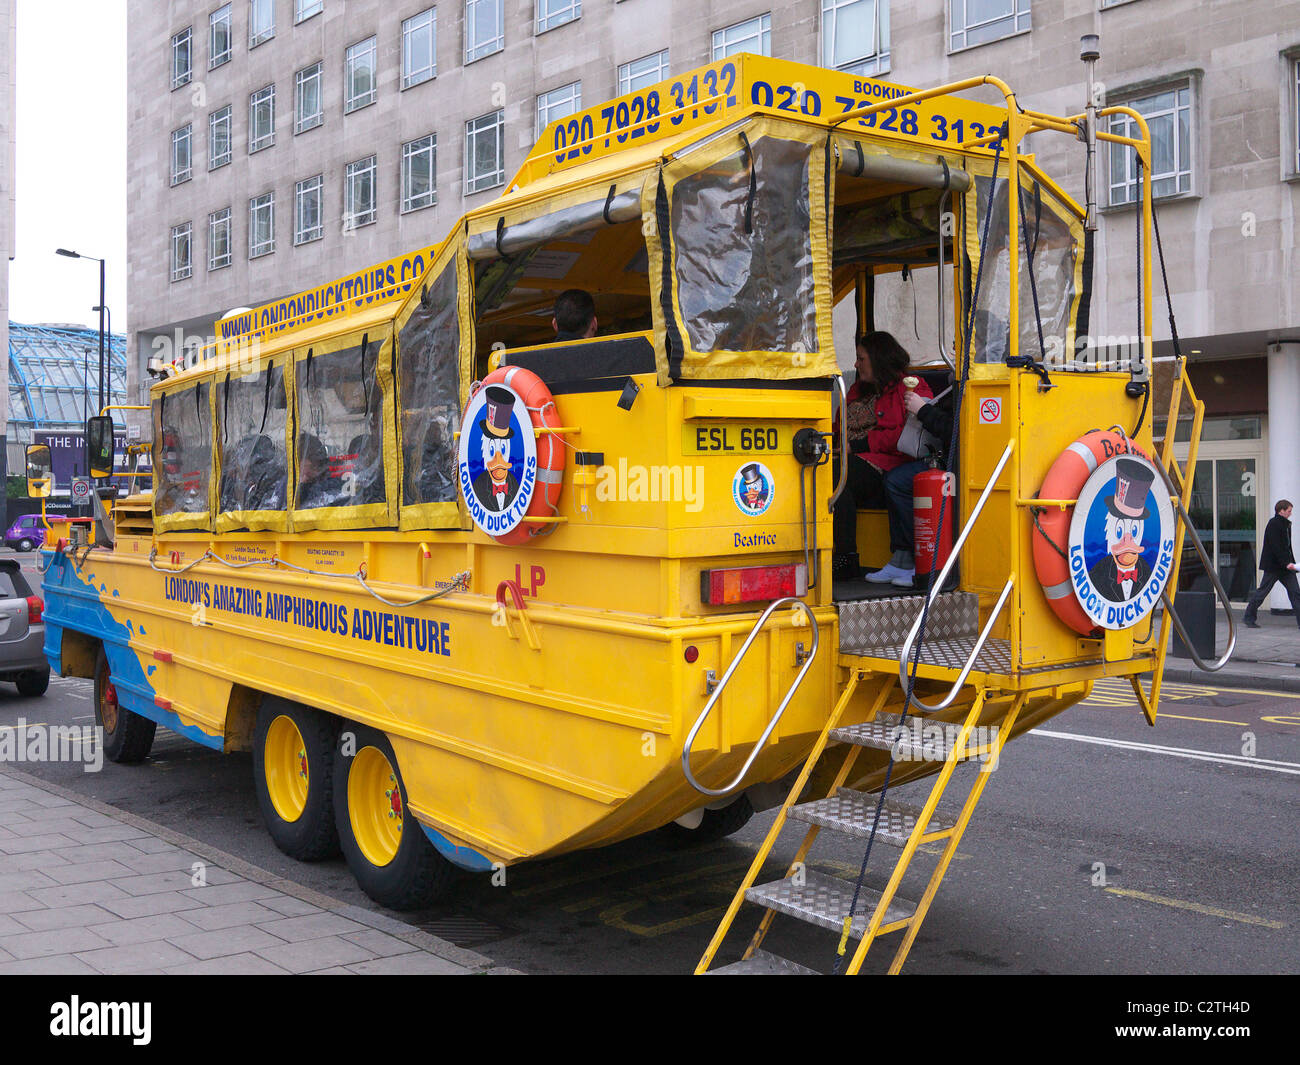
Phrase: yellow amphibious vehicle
pixel 474 595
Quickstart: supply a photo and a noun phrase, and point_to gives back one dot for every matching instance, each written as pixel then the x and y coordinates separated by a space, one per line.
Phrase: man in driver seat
pixel 575 315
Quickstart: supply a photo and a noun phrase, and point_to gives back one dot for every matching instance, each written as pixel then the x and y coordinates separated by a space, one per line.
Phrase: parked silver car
pixel 22 632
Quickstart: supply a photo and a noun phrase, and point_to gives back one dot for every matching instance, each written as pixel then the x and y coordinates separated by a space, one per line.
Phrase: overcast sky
pixel 71 160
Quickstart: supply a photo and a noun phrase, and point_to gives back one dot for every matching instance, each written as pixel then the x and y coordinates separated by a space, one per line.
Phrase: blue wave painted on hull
pixel 72 602
pixel 465 857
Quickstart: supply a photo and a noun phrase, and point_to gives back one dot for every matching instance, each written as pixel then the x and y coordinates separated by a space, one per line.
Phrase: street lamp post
pixel 101 308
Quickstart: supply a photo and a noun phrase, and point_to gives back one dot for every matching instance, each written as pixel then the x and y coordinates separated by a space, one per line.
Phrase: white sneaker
pixel 890 574
pixel 905 579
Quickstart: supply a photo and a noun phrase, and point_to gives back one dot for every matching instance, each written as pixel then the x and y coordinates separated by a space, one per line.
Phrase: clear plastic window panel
pixel 428 351
pixel 182 451
pixel 251 416
pixel 742 291
pixel 340 426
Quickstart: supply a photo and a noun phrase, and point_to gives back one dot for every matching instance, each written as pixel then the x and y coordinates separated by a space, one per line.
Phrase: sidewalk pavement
pixel 86 889
pixel 1266 658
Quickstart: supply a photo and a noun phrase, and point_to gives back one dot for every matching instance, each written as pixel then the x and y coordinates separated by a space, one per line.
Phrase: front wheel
pixel 386 849
pixel 25 544
pixel 128 736
pixel 293 771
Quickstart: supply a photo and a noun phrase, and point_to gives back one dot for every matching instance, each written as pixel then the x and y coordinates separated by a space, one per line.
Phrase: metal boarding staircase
pixel 872 636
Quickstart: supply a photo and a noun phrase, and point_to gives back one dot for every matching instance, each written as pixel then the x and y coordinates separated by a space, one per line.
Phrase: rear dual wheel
pixel 386 849
pixel 293 767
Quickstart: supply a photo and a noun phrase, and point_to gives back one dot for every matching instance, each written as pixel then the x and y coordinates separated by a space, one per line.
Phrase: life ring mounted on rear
pixel 509 474
pixel 1104 561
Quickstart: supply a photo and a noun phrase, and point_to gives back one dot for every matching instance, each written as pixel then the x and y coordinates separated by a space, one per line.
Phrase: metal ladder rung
pixel 824 900
pixel 882 734
pixel 852 813
pixel 761 963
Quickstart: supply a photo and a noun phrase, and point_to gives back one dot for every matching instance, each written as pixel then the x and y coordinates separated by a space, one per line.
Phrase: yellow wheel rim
pixel 285 766
pixel 375 808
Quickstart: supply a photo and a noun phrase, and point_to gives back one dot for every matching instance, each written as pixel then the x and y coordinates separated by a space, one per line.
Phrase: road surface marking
pixel 1210 720
pixel 1179 904
pixel 1290 768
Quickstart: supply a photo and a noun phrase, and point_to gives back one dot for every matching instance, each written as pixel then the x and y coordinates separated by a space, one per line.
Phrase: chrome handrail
pixel 943 576
pixel 844 442
pixel 717 693
pixel 1214 580
pixel 943 351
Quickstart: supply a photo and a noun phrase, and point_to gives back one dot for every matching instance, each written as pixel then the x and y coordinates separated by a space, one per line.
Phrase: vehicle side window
pixel 251 416
pixel 182 451
pixel 428 352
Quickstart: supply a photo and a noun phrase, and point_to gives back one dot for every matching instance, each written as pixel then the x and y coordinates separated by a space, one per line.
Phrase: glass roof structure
pixel 53 374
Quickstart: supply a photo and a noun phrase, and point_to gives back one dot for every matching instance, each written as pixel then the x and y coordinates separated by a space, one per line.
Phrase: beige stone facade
pixel 8 222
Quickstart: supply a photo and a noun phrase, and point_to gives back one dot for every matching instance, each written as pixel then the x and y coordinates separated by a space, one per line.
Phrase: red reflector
pixel 163 656
pixel 161 703
pixel 35 606
pixel 753 584
pixel 692 653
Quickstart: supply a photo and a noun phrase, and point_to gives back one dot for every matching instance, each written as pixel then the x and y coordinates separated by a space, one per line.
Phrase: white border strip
pixel 1290 768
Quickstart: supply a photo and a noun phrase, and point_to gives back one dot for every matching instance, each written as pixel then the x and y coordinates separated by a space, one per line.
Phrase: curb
pixel 380 922
pixel 1253 681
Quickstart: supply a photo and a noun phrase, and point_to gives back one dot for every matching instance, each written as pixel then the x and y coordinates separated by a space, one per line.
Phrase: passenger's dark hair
pixel 889 360
pixel 1281 505
pixel 574 310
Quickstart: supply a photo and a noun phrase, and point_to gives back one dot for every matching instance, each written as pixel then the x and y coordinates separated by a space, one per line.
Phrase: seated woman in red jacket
pixel 882 364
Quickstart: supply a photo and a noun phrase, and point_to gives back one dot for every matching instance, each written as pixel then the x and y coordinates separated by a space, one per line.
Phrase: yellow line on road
pixel 1179 904
pixel 29 724
pixel 1211 720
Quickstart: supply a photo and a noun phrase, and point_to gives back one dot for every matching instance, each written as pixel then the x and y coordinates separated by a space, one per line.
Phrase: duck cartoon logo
pixel 497 459
pixel 752 488
pixel 1121 542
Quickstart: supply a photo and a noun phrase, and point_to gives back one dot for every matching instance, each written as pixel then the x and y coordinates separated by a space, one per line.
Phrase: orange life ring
pixel 550 450
pixel 1065 480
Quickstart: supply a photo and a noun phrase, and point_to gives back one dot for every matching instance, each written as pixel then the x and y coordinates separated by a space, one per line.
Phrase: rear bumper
pixel 24 655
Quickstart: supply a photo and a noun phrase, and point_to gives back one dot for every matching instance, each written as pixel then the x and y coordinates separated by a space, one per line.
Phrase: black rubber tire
pixel 313 837
pixel 33 682
pixel 418 875
pixel 717 824
pixel 25 545
pixel 131 739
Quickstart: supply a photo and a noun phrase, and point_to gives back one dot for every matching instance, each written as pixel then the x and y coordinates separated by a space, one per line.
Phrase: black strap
pixel 365 381
pixel 225 408
pixel 753 185
pixel 266 398
pixel 501 232
pixel 862 159
pixel 609 202
pixel 947 176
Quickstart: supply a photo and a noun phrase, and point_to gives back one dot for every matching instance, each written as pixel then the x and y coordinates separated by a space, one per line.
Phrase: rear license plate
pixel 736 438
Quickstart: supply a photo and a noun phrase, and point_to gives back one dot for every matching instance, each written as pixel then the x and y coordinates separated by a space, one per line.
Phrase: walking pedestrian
pixel 1277 560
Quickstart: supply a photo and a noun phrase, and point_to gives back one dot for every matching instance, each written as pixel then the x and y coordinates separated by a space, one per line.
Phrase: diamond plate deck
pixel 764 964
pixel 994 656
pixel 852 813
pixel 883 733
pixel 870 624
pixel 824 900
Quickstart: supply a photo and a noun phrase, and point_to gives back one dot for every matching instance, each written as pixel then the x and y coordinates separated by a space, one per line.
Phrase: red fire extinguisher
pixel 931 489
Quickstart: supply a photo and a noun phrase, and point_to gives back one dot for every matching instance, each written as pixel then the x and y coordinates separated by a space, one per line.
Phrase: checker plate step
pixel 882 734
pixel 764 964
pixel 867 626
pixel 852 813
pixel 824 900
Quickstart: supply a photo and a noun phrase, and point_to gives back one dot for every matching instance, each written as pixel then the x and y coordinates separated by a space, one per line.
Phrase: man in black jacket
pixel 1277 560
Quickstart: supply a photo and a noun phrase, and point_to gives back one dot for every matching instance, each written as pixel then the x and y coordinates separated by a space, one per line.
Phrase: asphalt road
pixel 1101 846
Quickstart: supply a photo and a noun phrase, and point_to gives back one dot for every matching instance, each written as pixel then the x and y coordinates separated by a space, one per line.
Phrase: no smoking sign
pixel 991 411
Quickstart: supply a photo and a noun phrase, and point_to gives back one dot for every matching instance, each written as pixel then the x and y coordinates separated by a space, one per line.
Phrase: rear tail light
pixel 753 584
pixel 35 605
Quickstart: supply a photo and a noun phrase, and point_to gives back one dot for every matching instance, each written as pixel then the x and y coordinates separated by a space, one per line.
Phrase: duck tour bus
pixel 567 529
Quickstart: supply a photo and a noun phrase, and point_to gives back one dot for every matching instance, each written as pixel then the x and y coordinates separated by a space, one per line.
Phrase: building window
pixel 552 13
pixel 182 264
pixel 359 194
pixel 182 154
pixel 1295 116
pixel 359 76
pixel 642 72
pixel 855 36
pixel 182 59
pixel 261 225
pixel 484 28
pixel 980 21
pixel 420 173
pixel 419 48
pixel 558 103
pixel 261 119
pixel 753 35
pixel 308 217
pixel 219 239
pixel 261 21
pixel 219 147
pixel 219 37
pixel 305 9
pixel 1169 118
pixel 485 142
pixel 308 100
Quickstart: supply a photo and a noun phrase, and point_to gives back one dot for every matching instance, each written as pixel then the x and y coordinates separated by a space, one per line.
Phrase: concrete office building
pixel 276 144
pixel 8 220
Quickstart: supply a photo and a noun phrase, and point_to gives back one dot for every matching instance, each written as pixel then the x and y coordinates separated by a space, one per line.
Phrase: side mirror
pixel 40 471
pixel 99 446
